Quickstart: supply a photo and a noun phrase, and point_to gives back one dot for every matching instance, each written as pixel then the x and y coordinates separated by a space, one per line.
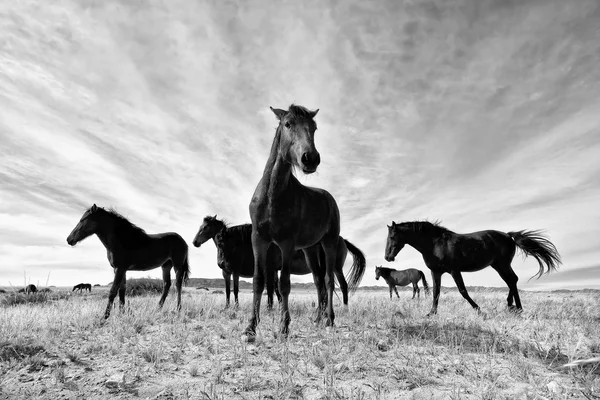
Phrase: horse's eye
pixel 288 125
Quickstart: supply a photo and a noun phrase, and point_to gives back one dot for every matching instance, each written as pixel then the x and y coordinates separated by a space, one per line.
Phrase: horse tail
pixel 535 244
pixel 359 266
pixel 425 285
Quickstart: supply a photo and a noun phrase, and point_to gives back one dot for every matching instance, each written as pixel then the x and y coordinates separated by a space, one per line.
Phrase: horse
pixel 82 286
pixel 130 248
pixel 236 257
pixel 234 251
pixel 292 216
pixel 31 288
pixel 447 251
pixel 208 230
pixel 402 278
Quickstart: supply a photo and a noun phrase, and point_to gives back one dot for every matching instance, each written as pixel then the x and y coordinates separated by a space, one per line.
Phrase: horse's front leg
pixel 119 276
pixel 396 290
pixel 227 278
pixel 236 286
pixel 259 248
pixel 436 277
pixel 287 251
pixel 462 289
pixel 122 293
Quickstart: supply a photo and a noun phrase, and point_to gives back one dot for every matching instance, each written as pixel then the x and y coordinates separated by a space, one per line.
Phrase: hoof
pixel 247 338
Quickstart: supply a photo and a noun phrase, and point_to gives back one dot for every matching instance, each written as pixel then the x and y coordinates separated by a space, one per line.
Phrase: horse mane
pixel 241 233
pixel 131 234
pixel 301 112
pixel 385 269
pixel 433 228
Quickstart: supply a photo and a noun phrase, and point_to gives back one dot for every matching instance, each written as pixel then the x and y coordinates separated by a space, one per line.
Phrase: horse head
pixel 395 242
pixel 87 226
pixel 297 137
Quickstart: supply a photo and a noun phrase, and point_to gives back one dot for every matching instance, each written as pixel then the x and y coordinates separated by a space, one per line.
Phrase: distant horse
pixel 446 251
pixel 291 215
pixel 402 278
pixel 235 257
pixel 82 286
pixel 130 248
pixel 31 288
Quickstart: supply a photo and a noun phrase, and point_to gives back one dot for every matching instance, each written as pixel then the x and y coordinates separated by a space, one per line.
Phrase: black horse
pixel 238 259
pixel 234 255
pixel 82 286
pixel 446 251
pixel 31 288
pixel 130 248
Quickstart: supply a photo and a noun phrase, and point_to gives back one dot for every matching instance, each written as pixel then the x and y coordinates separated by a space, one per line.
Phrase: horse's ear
pixel 393 224
pixel 279 113
pixel 215 217
pixel 94 207
pixel 313 113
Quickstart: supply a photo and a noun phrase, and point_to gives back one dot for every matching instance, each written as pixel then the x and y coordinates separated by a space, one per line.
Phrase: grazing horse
pixel 293 216
pixel 82 286
pixel 130 248
pixel 402 278
pixel 235 257
pixel 446 251
pixel 31 288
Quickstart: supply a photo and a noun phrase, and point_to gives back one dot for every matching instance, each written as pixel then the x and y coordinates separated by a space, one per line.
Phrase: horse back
pixel 473 251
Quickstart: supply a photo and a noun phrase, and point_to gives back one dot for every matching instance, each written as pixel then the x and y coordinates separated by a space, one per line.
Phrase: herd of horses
pixel 295 229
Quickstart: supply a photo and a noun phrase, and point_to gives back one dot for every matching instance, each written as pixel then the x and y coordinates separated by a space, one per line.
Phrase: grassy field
pixel 379 349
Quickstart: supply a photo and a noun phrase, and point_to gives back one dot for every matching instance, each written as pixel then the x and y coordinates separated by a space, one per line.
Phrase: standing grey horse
pixel 130 248
pixel 394 277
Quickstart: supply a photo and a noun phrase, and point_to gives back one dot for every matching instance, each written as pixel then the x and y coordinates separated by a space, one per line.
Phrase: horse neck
pixel 107 233
pixel 420 242
pixel 278 171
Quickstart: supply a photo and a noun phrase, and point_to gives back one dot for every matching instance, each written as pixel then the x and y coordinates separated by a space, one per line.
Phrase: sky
pixel 482 114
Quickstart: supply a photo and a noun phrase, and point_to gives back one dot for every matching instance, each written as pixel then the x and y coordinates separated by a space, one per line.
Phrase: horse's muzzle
pixel 389 258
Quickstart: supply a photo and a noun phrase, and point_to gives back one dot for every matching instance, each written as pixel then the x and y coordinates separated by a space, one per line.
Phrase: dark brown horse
pixel 235 257
pixel 234 249
pixel 291 215
pixel 129 248
pixel 208 230
pixel 82 286
pixel 446 251
pixel 402 278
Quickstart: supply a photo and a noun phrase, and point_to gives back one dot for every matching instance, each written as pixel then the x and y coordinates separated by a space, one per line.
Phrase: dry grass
pixel 378 349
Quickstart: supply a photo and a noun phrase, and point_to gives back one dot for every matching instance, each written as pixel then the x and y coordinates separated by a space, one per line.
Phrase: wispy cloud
pixel 482 114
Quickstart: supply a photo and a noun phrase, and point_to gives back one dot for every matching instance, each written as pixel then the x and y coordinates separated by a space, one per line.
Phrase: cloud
pixel 480 113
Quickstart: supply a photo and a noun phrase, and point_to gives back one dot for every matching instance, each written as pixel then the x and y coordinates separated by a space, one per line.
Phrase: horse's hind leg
pixel 342 253
pixel 508 275
pixel 462 289
pixel 166 268
pixel 415 290
pixel 119 276
pixel 396 290
pixel 236 285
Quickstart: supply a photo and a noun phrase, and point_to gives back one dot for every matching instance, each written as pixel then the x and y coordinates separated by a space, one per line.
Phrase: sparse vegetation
pixel 379 348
